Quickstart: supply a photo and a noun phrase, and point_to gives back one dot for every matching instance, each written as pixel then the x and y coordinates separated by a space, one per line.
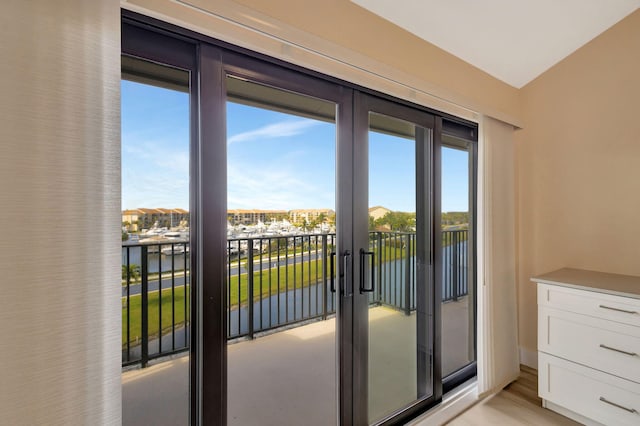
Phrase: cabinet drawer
pixel 606 306
pixel 604 345
pixel 604 398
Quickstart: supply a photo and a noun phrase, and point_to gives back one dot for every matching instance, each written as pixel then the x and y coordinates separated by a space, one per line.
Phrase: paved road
pixel 136 288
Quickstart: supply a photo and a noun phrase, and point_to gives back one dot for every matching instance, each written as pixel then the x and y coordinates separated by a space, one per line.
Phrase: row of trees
pixel 455 218
pixel 394 221
pixel 405 222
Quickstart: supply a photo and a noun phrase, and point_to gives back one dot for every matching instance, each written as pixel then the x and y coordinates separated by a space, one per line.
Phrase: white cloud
pixel 154 154
pixel 275 188
pixel 155 173
pixel 276 130
pixel 153 188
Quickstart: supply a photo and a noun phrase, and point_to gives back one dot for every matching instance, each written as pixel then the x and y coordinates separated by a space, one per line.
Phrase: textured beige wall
pixel 345 23
pixel 578 163
pixel 60 311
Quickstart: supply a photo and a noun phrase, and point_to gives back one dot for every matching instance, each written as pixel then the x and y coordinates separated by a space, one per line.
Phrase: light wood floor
pixel 517 404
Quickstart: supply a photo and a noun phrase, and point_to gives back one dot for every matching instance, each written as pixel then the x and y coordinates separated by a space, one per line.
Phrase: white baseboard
pixel 529 358
pixel 571 414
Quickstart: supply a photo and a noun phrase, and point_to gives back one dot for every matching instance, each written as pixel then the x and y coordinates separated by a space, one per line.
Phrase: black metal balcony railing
pixel 272 282
pixel 155 300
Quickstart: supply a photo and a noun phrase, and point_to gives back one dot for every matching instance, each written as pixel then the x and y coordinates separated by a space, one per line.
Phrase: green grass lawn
pixel 135 312
pixel 271 281
pixel 265 283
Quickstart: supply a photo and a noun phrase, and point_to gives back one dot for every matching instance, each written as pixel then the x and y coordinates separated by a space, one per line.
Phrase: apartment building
pixel 143 218
pixel 252 217
pixel 309 215
pixel 378 212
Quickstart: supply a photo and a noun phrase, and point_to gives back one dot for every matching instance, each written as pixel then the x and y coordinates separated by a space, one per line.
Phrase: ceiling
pixel 513 40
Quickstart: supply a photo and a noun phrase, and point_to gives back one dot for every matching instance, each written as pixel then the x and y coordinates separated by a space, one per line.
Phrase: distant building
pixel 308 215
pixel 252 217
pixel 143 218
pixel 378 212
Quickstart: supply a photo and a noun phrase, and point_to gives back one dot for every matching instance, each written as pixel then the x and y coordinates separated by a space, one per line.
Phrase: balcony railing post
pixel 325 258
pixel 128 302
pixel 250 286
pixel 379 243
pixel 144 323
pixel 454 286
pixel 407 276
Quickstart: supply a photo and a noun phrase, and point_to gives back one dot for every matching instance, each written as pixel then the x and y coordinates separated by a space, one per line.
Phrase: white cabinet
pixel 589 346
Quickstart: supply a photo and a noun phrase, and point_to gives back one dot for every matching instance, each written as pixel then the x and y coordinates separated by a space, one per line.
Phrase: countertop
pixel 602 282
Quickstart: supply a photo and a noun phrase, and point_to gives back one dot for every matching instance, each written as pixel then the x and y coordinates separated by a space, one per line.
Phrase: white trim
pixel 570 414
pixel 234 23
pixel 529 358
pixel 452 405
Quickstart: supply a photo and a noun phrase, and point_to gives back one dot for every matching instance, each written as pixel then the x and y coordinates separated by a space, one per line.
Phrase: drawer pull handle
pixel 618 350
pixel 618 309
pixel 630 410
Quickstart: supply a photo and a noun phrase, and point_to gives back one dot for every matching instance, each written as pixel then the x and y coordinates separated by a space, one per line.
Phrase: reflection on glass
pixel 280 234
pixel 458 338
pixel 155 244
pixel 399 370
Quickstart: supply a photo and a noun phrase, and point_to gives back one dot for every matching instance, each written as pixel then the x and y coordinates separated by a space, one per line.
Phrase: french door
pixel 316 244
pixel 380 279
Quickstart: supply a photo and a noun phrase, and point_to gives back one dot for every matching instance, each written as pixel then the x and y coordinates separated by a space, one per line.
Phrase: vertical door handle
pixel 332 272
pixel 346 257
pixel 364 253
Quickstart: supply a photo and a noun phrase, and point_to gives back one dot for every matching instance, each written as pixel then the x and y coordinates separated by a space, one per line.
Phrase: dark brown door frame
pixel 164 43
pixel 166 49
pixel 238 65
pixel 428 202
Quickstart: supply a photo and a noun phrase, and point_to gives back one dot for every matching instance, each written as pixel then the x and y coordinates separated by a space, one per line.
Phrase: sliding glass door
pixel 458 242
pixel 394 273
pixel 316 276
pixel 159 92
pixel 286 142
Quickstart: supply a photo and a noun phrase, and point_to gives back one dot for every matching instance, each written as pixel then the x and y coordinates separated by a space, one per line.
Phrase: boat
pixel 174 249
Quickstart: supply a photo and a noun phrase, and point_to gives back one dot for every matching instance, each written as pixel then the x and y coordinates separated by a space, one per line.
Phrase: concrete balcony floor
pixel 289 377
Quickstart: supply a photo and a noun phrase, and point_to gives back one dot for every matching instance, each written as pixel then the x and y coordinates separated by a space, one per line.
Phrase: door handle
pixel 346 256
pixel 364 253
pixel 332 272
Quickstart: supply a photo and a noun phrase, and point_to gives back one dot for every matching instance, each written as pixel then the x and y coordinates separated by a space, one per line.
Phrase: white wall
pixel 60 212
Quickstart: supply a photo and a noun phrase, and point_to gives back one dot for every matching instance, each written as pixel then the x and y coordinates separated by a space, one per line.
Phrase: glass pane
pixel 155 244
pixel 281 157
pixel 458 317
pixel 399 366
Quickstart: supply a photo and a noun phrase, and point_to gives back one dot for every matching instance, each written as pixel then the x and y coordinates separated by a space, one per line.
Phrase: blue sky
pixel 155 147
pixel 275 160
